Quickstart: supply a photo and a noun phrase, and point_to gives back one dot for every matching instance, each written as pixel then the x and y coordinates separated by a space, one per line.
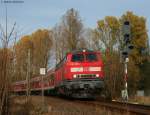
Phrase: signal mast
pixel 127 48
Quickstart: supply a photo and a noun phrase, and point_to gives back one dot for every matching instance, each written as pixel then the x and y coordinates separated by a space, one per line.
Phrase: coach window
pixel 52 78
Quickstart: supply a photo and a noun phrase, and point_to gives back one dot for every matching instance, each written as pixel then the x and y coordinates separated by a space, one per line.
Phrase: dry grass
pixel 19 106
pixel 55 106
pixel 140 99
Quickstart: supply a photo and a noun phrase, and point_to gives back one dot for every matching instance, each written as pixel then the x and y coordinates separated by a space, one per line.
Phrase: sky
pixel 31 15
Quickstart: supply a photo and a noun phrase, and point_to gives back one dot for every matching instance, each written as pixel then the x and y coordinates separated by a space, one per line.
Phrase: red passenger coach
pixel 80 74
pixel 19 87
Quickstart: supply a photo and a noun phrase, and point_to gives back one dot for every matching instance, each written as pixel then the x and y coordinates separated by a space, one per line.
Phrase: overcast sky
pixel 34 14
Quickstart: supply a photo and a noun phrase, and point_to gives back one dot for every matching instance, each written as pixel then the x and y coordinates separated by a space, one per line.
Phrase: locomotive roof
pixel 20 82
pixel 81 50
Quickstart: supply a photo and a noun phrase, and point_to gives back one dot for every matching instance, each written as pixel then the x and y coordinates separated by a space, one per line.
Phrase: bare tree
pixel 60 46
pixel 73 28
pixel 68 34
pixel 42 44
pixel 5 67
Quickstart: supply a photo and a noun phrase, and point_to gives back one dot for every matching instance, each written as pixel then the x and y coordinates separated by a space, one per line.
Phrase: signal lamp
pixel 130 46
pixel 127 38
pixel 125 53
pixel 126 23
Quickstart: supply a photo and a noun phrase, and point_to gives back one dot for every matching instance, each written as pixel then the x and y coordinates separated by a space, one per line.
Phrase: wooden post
pixel 28 77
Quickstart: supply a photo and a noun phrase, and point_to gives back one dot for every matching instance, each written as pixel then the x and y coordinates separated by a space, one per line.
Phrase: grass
pixel 58 107
pixel 140 99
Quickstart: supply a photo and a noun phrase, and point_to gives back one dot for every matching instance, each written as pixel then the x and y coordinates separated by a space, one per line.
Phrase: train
pixel 80 74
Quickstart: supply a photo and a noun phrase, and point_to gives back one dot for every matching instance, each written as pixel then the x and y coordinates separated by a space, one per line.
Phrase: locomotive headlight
pixel 97 75
pixel 74 76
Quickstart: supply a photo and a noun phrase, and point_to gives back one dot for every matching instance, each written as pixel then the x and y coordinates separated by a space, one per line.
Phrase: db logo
pixel 86 69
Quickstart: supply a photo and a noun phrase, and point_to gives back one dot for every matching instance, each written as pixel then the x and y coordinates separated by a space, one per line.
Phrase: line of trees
pixel 39 45
pixel 109 35
pixel 70 34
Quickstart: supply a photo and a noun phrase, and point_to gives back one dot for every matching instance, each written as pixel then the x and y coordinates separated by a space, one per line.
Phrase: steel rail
pixel 120 106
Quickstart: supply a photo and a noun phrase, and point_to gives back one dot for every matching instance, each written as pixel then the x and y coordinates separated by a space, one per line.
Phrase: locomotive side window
pixel 77 58
pixel 61 63
pixel 91 57
pixel 52 77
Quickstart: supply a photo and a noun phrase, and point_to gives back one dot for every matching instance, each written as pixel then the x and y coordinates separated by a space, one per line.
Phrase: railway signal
pixel 126 31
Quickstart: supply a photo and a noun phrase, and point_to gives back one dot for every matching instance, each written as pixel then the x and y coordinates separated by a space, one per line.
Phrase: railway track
pixel 136 109
pixel 121 107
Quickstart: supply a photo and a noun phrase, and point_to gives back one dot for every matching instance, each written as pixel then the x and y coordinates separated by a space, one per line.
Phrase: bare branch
pixel 2 31
pixel 12 30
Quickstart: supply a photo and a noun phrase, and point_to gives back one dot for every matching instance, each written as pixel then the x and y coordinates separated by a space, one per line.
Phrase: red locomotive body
pixel 80 75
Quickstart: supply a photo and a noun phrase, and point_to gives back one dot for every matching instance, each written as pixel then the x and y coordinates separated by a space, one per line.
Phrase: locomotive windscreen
pixel 77 57
pixel 84 57
pixel 91 57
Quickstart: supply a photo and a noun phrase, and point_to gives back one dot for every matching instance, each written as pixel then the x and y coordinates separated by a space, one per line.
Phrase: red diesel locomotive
pixel 79 75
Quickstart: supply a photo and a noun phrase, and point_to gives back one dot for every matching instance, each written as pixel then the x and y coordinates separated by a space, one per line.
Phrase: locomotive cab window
pixel 77 58
pixel 91 57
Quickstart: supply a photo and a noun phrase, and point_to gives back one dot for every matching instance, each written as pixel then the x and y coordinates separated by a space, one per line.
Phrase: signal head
pixel 130 46
pixel 124 53
pixel 126 23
